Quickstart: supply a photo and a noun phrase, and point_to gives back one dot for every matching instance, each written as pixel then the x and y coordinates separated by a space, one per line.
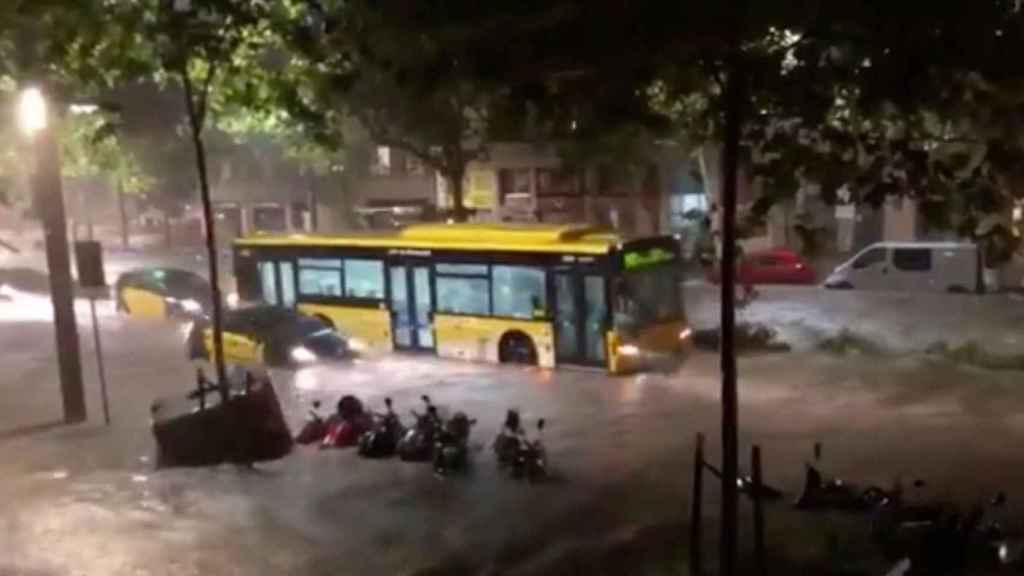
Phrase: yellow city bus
pixel 531 294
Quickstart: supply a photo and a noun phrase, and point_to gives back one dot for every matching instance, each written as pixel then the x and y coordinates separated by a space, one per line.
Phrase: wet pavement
pixel 87 500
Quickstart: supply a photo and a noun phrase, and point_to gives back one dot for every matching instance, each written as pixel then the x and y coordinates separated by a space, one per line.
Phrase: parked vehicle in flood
pixel 777 266
pixel 912 267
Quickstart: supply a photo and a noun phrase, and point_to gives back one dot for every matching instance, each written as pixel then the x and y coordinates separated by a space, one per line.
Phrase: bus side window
pixel 248 278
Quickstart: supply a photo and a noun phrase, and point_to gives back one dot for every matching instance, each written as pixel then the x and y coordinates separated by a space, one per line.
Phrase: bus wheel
pixel 517 348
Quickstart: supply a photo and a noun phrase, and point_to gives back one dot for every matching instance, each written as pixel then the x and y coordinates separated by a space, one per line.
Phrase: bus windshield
pixel 647 297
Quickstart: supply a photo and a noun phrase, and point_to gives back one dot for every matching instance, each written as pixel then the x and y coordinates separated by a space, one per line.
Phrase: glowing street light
pixel 31 111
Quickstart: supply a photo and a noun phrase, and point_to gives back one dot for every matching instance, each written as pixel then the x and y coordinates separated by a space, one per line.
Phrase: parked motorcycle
pixel 346 426
pixel 451 449
pixel 531 458
pixel 381 441
pixel 507 442
pixel 417 444
pixel 314 429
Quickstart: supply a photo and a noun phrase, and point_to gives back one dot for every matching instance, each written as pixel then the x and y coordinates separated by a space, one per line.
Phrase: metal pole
pixel 99 361
pixel 50 199
pixel 123 213
pixel 87 208
pixel 755 465
pixel 730 399
pixel 696 514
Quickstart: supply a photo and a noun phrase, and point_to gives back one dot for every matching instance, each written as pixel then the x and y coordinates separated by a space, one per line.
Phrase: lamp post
pixel 33 120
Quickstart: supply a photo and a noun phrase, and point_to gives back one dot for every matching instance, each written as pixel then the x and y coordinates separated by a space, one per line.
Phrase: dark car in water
pixel 269 335
pixel 163 293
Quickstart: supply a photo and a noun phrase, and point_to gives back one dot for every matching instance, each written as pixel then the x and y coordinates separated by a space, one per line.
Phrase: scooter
pixel 346 426
pixel 417 444
pixel 531 459
pixel 507 442
pixel 381 441
pixel 451 449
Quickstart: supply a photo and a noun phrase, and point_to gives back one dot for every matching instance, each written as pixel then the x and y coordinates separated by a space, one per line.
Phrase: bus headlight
pixel 685 334
pixel 191 306
pixel 628 350
pixel 185 304
pixel 232 300
pixel 302 355
pixel 356 345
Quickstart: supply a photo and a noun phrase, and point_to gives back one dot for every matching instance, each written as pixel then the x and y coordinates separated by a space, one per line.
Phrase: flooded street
pixel 87 500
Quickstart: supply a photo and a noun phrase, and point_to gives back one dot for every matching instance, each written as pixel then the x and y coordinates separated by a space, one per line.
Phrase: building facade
pixel 525 182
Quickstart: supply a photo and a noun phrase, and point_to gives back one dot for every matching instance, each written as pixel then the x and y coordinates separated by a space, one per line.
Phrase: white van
pixel 911 266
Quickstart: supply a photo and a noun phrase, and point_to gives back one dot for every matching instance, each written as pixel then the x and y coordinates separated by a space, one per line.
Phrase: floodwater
pixel 87 500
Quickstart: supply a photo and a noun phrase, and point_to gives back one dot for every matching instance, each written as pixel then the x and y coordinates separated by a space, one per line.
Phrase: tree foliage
pixel 887 101
pixel 405 71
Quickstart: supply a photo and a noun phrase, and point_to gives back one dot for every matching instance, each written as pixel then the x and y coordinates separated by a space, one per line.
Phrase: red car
pixel 776 266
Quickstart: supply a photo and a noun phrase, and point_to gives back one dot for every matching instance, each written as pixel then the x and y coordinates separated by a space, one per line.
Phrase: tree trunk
pixel 459 212
pixel 196 123
pixel 123 213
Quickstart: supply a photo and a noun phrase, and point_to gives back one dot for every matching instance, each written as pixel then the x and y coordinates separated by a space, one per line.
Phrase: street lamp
pixel 31 111
pixel 46 185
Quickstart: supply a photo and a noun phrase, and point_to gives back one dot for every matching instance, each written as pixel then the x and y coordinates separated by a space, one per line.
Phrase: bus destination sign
pixel 636 259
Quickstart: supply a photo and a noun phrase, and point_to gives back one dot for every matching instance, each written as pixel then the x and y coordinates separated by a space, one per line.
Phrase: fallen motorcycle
pixel 745 485
pixel 451 449
pixel 417 443
pixel 820 493
pixel 381 441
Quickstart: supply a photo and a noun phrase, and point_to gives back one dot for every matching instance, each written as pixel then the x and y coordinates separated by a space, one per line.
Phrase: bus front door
pixel 412 307
pixel 581 311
